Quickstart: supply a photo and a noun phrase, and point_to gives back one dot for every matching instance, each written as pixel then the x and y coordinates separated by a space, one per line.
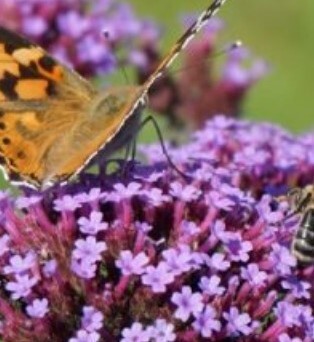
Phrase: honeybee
pixel 302 201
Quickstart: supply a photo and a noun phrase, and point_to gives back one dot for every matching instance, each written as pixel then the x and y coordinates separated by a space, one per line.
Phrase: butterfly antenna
pixel 182 43
pixel 106 34
pixel 223 51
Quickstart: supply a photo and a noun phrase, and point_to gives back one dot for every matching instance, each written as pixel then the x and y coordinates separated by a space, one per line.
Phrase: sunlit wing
pixel 40 100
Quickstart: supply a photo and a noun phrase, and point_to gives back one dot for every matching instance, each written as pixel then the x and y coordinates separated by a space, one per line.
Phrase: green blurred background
pixel 280 31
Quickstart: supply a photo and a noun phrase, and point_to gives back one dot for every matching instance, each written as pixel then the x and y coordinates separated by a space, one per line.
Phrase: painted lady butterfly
pixel 53 122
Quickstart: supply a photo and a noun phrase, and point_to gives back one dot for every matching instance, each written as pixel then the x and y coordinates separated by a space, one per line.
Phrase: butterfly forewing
pixel 53 122
pixel 40 101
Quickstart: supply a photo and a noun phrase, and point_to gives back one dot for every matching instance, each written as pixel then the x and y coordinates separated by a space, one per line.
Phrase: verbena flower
pixel 160 258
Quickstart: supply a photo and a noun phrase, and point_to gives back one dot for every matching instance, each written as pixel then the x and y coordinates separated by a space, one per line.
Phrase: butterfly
pixel 53 122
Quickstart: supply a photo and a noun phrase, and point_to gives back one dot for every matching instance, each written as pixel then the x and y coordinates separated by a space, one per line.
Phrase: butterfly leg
pixel 152 120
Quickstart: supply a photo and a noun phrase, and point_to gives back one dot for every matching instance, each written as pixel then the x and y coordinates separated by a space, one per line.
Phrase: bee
pixel 302 201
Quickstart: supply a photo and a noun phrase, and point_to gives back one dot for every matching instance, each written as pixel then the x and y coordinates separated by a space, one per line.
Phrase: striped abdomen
pixel 303 242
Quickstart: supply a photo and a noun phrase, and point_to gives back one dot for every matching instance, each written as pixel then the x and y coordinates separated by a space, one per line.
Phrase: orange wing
pixel 39 101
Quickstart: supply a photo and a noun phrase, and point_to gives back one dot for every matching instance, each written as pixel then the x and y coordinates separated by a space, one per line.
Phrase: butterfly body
pixel 53 122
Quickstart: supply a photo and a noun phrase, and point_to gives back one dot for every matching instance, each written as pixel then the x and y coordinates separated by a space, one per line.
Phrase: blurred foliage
pixel 280 31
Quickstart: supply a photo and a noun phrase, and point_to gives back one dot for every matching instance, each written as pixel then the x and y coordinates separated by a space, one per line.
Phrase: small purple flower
pixel 189 228
pixel 4 242
pixel 177 261
pixel 143 226
pixel 186 193
pixel 92 319
pixel 84 268
pixel 19 265
pixel 298 288
pixel 162 331
pixel 156 197
pixel 124 192
pixel 237 323
pixel 26 202
pixel 93 195
pixel 288 314
pixel 157 277
pixel 93 224
pixel 136 333
pixel 253 275
pixel 50 268
pixel 22 286
pixel 220 201
pixel 219 231
pixel 237 248
pixel 68 21
pixel 187 303
pixel 66 203
pixel 282 259
pixel 38 308
pixel 130 264
pixel 85 336
pixel 88 250
pixel 286 338
pixel 218 262
pixel 205 322
pixel 210 286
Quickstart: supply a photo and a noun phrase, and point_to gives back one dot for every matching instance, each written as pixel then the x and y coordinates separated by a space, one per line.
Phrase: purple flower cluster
pixel 152 257
pixel 81 33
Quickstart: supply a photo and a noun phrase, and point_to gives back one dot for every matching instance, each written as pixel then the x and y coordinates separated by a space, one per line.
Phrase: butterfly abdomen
pixel 303 242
